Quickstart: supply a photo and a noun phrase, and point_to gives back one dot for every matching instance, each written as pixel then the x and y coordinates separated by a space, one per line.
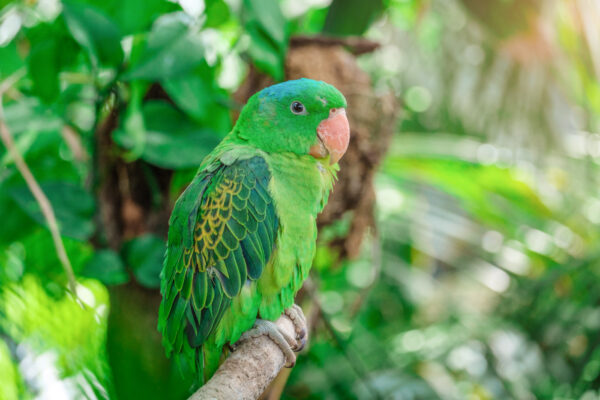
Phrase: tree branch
pixel 247 371
pixel 40 197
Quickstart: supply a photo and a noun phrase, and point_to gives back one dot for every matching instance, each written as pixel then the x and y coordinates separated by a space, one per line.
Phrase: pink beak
pixel 334 136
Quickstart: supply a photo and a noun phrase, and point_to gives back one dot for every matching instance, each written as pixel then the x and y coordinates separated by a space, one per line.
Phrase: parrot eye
pixel 298 108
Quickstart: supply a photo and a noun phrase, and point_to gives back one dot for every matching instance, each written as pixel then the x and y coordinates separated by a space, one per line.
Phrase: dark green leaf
pixel 52 49
pixel 145 12
pixel 267 28
pixel 133 16
pixel 198 95
pixel 191 93
pixel 107 267
pixel 171 140
pixel 144 255
pixel 73 207
pixel 95 32
pixel 352 17
pixel 44 69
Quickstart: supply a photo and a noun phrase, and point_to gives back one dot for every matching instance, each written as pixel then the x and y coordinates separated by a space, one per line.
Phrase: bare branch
pixel 73 141
pixel 40 197
pixel 247 371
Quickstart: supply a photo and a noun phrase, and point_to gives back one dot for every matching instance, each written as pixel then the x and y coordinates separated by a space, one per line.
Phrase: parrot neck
pixel 301 181
pixel 300 186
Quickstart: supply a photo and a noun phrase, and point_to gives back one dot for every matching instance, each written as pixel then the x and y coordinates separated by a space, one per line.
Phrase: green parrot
pixel 242 235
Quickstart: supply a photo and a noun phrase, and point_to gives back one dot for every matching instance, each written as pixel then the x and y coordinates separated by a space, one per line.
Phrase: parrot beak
pixel 333 136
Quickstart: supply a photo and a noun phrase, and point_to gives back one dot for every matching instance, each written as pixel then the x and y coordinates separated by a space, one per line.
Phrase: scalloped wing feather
pixel 222 233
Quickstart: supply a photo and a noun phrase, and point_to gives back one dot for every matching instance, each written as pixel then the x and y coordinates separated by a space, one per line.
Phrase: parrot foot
pixel 284 341
pixel 297 316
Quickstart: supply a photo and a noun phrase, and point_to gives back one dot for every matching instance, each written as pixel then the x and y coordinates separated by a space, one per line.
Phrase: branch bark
pixel 40 197
pixel 248 371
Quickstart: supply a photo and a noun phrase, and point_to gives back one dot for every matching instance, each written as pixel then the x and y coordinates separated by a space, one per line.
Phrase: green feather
pixel 186 289
pixel 236 231
pixel 242 235
pixel 199 292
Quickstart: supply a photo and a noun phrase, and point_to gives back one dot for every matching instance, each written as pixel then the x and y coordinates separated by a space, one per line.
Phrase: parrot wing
pixel 222 233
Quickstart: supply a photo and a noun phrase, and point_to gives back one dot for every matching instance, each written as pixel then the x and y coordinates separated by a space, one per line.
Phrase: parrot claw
pixel 268 328
pixel 297 317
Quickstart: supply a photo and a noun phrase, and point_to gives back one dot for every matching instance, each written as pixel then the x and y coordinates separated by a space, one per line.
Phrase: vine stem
pixel 41 199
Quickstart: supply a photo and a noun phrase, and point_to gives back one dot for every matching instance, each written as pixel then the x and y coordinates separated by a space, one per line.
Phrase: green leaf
pixel 180 180
pixel 145 11
pixel 199 97
pixel 12 259
pixel 353 17
pixel 44 70
pixel 173 48
pixel 12 386
pixel 73 207
pixel 41 258
pixel 95 32
pixel 59 324
pixel 11 61
pixel 268 16
pixel 191 93
pixel 107 267
pixel 266 25
pixel 15 222
pixel 52 49
pixel 172 140
pixel 134 120
pixel 144 255
pixel 217 13
pixel 132 16
pixel 29 114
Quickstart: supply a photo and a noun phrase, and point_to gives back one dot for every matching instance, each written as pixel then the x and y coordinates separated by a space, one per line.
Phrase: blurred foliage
pixel 481 280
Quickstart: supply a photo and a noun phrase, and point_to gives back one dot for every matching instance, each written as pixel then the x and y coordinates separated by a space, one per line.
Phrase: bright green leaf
pixel 41 259
pixel 11 382
pixel 217 13
pixel 75 335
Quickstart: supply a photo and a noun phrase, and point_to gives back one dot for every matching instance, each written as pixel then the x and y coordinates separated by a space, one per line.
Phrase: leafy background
pixel 480 281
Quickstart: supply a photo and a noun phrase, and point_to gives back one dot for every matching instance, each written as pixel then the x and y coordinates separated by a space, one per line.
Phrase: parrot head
pixel 301 116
